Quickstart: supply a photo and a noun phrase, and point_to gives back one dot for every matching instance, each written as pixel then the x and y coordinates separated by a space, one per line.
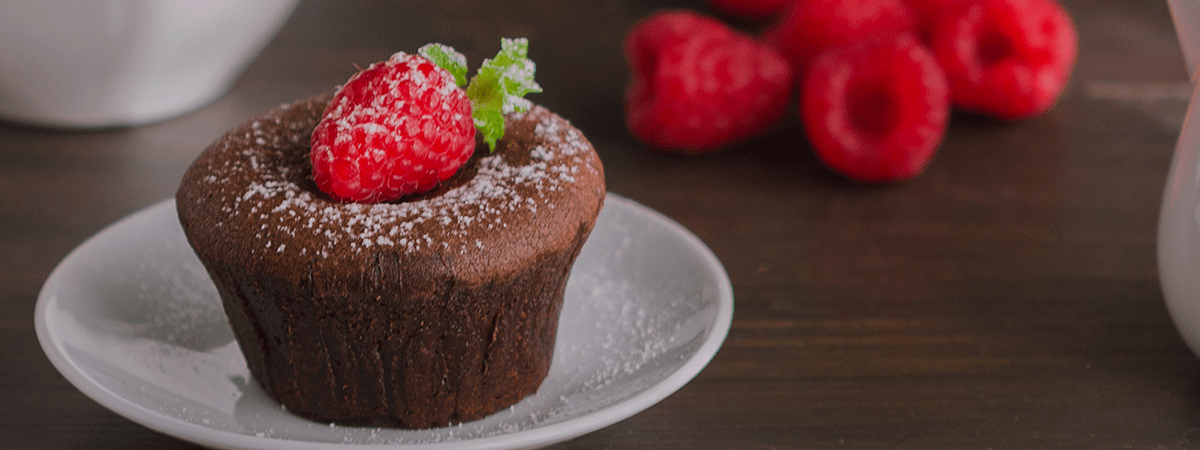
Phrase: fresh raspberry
pixel 755 10
pixel 929 12
pixel 1009 59
pixel 398 127
pixel 810 27
pixel 403 125
pixel 876 112
pixel 698 86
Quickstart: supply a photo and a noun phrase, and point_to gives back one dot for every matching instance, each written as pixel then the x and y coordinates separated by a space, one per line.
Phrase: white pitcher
pixel 1179 220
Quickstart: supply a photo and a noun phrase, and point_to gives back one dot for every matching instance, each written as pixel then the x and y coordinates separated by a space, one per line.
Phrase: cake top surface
pixel 251 193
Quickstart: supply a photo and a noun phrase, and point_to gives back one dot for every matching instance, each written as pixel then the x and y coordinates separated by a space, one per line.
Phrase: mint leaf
pixel 490 124
pixel 447 58
pixel 498 87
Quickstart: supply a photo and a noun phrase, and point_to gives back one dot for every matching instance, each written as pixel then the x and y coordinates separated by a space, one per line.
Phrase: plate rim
pixel 537 436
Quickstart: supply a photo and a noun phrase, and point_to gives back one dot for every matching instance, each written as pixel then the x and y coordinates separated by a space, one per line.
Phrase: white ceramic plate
pixel 132 320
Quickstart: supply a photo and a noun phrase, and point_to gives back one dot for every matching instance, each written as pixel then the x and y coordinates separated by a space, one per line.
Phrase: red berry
pixel 877 111
pixel 810 27
pixel 399 127
pixel 929 12
pixel 1006 58
pixel 699 86
pixel 750 9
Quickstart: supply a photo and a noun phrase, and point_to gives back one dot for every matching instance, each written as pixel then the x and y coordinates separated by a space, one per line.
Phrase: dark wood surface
pixel 1007 298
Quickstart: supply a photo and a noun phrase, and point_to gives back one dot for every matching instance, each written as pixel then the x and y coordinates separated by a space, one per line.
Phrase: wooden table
pixel 1006 298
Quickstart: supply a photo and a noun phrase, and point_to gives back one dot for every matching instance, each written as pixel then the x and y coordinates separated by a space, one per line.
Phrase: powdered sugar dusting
pixel 296 215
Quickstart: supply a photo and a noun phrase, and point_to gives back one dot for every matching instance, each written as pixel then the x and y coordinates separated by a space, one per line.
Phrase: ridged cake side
pixel 425 312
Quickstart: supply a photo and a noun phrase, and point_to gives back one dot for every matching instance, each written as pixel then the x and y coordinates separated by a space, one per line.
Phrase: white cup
pixel 106 63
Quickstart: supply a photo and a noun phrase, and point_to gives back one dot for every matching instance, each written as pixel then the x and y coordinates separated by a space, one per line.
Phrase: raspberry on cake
pixel 402 126
pixel 399 127
pixel 436 308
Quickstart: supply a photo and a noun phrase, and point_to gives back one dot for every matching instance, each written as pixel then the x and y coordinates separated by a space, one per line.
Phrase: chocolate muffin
pixel 434 309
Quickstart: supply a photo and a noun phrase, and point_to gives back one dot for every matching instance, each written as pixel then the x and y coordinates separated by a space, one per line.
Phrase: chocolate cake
pixel 430 310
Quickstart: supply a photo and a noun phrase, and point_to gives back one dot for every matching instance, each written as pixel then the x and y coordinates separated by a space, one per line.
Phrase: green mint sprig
pixel 498 88
pixel 446 57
